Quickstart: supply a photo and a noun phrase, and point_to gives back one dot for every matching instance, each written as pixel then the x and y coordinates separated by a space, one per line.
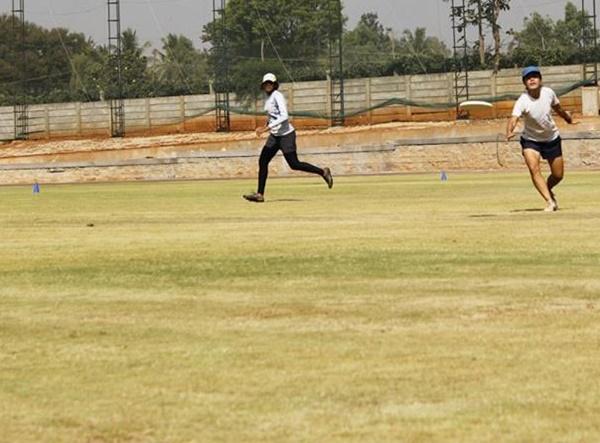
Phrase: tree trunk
pixel 481 34
pixel 497 39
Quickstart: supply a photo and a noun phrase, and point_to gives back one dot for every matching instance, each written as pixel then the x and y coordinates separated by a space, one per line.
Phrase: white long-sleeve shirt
pixel 279 119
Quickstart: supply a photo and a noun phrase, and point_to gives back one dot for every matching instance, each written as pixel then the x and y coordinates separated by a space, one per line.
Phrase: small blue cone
pixel 444 176
pixel 36 188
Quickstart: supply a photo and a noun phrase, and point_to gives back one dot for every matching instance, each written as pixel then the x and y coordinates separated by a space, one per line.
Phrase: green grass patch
pixel 391 308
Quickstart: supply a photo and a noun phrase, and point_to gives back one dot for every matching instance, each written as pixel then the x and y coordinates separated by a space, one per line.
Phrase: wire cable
pixel 161 30
pixel 68 53
pixel 272 44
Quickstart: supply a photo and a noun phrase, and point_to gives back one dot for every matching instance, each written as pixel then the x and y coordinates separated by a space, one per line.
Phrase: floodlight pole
pixel 589 44
pixel 336 63
pixel 115 61
pixel 20 106
pixel 460 53
pixel 221 83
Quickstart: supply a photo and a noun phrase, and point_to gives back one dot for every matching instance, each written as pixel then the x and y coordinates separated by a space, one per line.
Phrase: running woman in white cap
pixel 282 136
pixel 540 137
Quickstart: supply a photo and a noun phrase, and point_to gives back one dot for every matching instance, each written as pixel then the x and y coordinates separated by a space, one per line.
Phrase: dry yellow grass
pixel 387 309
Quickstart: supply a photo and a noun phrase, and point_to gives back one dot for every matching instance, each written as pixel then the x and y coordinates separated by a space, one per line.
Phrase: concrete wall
pixel 192 113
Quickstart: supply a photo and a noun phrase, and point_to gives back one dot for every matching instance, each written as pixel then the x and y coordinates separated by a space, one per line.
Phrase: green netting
pixel 399 102
pixel 387 103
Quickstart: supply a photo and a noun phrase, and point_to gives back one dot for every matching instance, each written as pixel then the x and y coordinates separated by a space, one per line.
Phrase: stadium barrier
pixel 367 101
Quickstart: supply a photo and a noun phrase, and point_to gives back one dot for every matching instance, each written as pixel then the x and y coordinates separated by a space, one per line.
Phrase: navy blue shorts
pixel 548 150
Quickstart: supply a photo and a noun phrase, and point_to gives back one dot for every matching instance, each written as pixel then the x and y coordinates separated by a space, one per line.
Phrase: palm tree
pixel 420 46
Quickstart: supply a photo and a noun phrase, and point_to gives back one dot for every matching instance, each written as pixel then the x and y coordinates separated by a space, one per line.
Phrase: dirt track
pixel 375 149
pixel 167 144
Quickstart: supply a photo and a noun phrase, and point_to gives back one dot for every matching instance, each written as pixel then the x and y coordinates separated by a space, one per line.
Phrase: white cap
pixel 269 78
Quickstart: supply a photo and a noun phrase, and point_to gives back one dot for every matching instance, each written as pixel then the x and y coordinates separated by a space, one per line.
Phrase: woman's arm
pixel 564 114
pixel 262 129
pixel 510 127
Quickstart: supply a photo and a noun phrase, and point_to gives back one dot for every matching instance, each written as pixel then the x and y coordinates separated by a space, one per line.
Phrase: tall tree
pixel 422 49
pixel 570 30
pixel 48 61
pixel 134 64
pixel 491 12
pixel 369 47
pixel 369 32
pixel 538 33
pixel 282 35
pixel 544 41
pixel 179 68
pixel 475 15
pixel 486 14
pixel 88 82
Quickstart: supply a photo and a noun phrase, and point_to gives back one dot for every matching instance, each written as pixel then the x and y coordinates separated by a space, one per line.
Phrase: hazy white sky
pixel 155 18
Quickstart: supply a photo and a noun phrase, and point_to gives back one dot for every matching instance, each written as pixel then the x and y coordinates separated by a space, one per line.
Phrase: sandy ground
pixel 40 147
pixel 222 141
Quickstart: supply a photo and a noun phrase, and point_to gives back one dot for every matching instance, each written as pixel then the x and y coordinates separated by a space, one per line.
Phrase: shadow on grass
pixel 281 200
pixel 514 211
pixel 527 210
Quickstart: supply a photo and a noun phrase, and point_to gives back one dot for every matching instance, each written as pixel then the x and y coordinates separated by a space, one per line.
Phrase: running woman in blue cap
pixel 282 136
pixel 540 137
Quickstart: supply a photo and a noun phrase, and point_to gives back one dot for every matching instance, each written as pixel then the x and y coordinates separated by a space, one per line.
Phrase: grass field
pixel 388 309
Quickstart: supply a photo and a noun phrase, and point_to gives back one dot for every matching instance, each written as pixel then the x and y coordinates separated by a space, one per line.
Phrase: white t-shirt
pixel 276 108
pixel 537 115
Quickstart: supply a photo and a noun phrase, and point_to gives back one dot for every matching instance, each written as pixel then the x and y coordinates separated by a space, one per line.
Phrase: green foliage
pixel 427 54
pixel 369 32
pixel 88 81
pixel 288 36
pixel 64 66
pixel 46 62
pixel 246 77
pixel 179 68
pixel 368 48
pixel 292 39
pixel 134 75
pixel 544 41
pixel 485 14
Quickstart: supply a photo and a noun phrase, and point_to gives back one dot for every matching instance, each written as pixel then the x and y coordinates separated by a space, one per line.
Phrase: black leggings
pixel 287 144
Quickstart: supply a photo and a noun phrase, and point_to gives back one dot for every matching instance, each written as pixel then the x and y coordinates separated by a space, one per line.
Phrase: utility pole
pixel 589 43
pixel 336 63
pixel 221 84
pixel 115 61
pixel 20 106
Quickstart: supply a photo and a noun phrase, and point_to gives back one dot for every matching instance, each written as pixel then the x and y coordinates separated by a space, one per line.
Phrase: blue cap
pixel 531 70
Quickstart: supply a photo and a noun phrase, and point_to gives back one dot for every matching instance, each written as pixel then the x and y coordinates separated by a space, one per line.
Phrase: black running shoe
pixel 328 177
pixel 255 197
